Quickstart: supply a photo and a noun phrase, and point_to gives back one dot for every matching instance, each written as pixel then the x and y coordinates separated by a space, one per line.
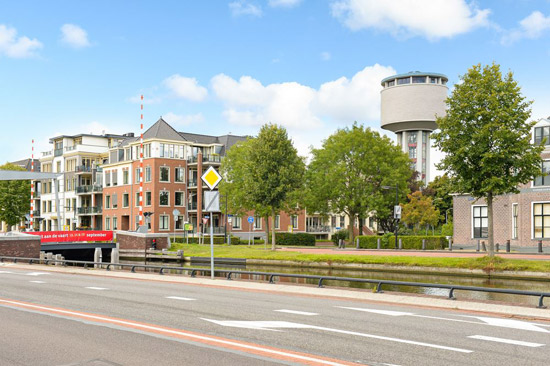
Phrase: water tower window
pixel 433 80
pixel 443 81
pixel 391 83
pixel 402 81
pixel 419 79
pixel 412 138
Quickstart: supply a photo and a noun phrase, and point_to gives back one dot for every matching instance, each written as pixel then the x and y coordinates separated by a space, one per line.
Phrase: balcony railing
pixel 192 183
pixel 83 168
pixel 37 194
pixel 36 213
pixel 58 152
pixel 89 210
pixel 211 158
pixel 193 206
pixel 192 159
pixel 70 148
pixel 47 153
pixel 318 229
pixel 89 189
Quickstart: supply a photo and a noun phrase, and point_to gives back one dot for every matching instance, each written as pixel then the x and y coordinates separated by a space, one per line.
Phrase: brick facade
pixel 24 247
pixel 128 240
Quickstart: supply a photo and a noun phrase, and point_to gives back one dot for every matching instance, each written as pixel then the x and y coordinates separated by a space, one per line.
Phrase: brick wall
pixel 20 247
pixel 127 240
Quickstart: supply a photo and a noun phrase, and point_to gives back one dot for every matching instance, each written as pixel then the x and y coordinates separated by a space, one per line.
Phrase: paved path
pixel 414 253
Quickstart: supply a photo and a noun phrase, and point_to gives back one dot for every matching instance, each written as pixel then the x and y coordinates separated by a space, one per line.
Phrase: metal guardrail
pixel 271 276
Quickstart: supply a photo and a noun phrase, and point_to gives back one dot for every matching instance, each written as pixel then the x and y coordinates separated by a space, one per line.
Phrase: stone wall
pixel 27 246
pixel 133 240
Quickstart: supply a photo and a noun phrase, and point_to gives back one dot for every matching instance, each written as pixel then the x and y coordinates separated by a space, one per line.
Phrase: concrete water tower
pixel 410 103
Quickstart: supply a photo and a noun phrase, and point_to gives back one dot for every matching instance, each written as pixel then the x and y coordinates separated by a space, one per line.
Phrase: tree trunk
pixel 490 224
pixel 351 226
pixel 273 229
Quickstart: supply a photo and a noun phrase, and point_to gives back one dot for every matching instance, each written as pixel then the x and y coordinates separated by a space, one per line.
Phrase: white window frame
pixel 532 221
pixel 167 220
pixel 277 222
pixel 515 224
pixel 257 223
pixel 234 221
pixel 182 200
pixel 176 175
pixel 472 221
pixel 160 174
pixel 297 222
pixel 168 193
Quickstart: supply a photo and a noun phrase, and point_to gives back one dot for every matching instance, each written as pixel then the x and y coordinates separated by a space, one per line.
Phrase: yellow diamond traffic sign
pixel 211 177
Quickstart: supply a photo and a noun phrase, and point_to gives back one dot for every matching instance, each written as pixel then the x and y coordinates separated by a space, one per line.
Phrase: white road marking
pixel 37 281
pixel 507 341
pixel 296 312
pixel 96 288
pixel 269 325
pixel 5 272
pixel 180 298
pixel 496 322
pixel 36 273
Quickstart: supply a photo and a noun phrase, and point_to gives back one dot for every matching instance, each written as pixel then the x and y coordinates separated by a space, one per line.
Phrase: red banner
pixel 72 236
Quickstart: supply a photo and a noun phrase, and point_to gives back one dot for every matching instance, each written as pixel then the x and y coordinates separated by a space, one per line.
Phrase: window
pixel 542 133
pixel 180 175
pixel 419 79
pixel 164 198
pixel 115 179
pixel 481 221
pixel 137 176
pixel 108 178
pixel 411 138
pixel 164 223
pixel 147 150
pixel 236 222
pixel 68 204
pixel 433 80
pixel 342 222
pixel 164 174
pixel 544 179
pixel 148 174
pixel 125 176
pixel 277 222
pixel 115 223
pixel 541 220
pixel 412 152
pixel 179 198
pixel 257 223
pixel 107 201
pixel 294 221
pixel 514 220
pixel 391 83
pixel 137 199
pixel 115 201
pixel 107 223
pixel 148 199
pixel 402 81
pixel 179 223
pixel 125 200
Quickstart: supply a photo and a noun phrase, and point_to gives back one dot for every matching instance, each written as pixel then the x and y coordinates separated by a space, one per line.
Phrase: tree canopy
pixel 440 189
pixel 263 174
pixel 486 137
pixel 420 211
pixel 347 173
pixel 14 198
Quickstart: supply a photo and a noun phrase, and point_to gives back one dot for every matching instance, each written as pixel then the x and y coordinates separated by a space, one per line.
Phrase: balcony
pixel 211 159
pixel 89 189
pixel 83 169
pixel 89 210
pixel 192 160
pixel 58 152
pixel 37 194
pixel 192 184
pixel 70 148
pixel 192 206
pixel 47 153
pixel 318 229
pixel 36 213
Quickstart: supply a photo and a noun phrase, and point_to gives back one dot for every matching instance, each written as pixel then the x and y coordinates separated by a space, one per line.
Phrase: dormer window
pixel 542 133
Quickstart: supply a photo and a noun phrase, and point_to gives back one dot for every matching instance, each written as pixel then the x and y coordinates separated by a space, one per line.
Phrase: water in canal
pixel 531 285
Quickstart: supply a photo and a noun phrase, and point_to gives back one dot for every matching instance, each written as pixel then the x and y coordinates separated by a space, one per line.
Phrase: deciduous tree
pixel 14 198
pixel 420 211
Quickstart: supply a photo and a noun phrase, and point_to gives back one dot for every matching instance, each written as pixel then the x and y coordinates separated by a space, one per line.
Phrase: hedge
pixel 217 240
pixel 409 242
pixel 301 239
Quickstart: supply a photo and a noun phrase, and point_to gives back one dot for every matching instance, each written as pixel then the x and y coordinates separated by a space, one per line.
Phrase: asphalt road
pixel 52 318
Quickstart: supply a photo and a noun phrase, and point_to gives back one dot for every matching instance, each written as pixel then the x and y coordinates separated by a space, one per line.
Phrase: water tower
pixel 410 103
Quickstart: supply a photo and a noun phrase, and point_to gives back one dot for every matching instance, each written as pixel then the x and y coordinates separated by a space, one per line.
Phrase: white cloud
pixel 186 88
pixel 17 47
pixel 530 27
pixel 433 19
pixel 325 56
pixel 183 120
pixel 309 114
pixel 243 7
pixel 284 3
pixel 74 36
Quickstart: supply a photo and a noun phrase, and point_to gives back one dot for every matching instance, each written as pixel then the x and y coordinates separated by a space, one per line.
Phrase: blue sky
pixel 221 66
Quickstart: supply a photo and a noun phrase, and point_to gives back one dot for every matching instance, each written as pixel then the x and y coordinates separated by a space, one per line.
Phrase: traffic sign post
pixel 211 178
pixel 250 221
pixel 175 213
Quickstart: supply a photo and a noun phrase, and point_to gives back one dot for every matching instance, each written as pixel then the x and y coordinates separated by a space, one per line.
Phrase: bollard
pixel 507 246
pixel 115 257
pixel 357 243
pixel 58 257
pixel 423 244
pixel 42 257
pixel 340 243
pixel 483 246
pixel 98 257
pixel 450 244
pixel 478 245
pixel 540 246
pixel 497 247
pixel 378 243
pixel 400 244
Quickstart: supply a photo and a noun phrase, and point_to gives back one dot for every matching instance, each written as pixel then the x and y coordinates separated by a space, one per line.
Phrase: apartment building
pixel 79 187
pixel 522 218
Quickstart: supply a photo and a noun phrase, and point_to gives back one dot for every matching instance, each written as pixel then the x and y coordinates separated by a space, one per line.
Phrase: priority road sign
pixel 211 177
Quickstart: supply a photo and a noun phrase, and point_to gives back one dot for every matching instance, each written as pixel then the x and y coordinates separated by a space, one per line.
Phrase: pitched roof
pixel 26 163
pixel 162 130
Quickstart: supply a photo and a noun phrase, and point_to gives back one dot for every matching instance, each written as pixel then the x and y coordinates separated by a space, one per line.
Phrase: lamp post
pixel 396 213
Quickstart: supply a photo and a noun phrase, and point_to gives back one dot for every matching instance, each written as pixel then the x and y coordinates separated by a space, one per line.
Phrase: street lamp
pixel 396 209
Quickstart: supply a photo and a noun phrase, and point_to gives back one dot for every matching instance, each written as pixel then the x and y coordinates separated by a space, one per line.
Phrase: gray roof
pixel 415 73
pixel 162 130
pixel 26 164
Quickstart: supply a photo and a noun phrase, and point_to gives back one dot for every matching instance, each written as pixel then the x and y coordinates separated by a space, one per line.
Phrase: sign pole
pixel 211 177
pixel 212 245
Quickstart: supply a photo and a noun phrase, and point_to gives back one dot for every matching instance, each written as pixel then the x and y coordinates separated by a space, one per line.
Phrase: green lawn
pixel 258 252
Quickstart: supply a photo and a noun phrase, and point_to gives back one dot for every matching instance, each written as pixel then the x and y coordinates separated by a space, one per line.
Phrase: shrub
pixel 409 242
pixel 301 239
pixel 447 229
pixel 340 234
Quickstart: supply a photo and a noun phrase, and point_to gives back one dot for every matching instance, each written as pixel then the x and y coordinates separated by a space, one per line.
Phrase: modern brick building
pixel 522 218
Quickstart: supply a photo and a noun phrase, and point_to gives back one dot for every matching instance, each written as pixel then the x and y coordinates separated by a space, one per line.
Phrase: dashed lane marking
pixel 180 298
pixel 507 341
pixel 296 312
pixel 96 288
